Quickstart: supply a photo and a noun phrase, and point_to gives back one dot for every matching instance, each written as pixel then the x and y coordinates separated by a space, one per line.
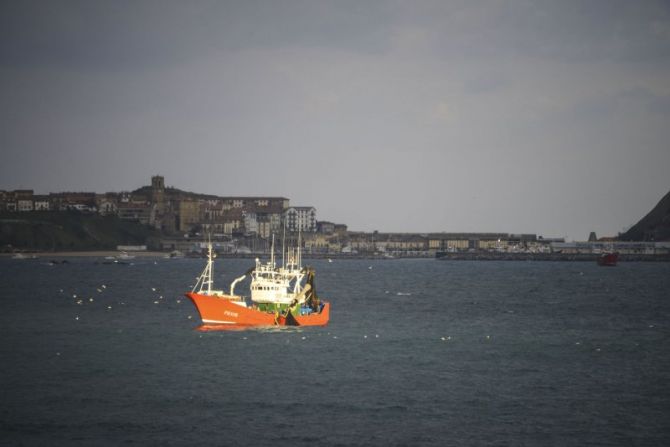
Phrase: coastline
pixel 556 257
pixel 465 256
pixel 86 254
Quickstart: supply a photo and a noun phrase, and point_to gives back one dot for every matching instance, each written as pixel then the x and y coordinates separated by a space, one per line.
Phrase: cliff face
pixel 655 226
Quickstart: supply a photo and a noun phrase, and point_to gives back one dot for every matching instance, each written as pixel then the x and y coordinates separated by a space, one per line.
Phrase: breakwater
pixel 567 257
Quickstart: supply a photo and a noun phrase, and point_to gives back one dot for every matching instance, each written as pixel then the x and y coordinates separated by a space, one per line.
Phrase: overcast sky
pixel 513 116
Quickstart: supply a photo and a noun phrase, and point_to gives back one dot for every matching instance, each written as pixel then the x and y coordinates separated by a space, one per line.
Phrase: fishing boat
pixel 280 296
pixel 608 259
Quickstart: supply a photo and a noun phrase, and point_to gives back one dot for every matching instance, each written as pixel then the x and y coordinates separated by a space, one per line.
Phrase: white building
pixel 300 218
pixel 41 203
pixel 107 207
pixel 250 223
pixel 25 204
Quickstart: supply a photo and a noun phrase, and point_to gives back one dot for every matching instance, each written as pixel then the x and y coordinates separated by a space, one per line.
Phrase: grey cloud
pixel 120 34
pixel 474 116
pixel 572 31
pixel 486 83
pixel 660 105
pixel 123 34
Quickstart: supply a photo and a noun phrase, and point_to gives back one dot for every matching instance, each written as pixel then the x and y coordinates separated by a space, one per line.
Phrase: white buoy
pixel 153 289
pixel 77 318
pixel 90 299
pixel 104 286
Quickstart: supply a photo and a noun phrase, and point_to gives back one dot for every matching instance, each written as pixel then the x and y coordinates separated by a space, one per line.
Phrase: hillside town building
pixel 301 219
pixel 246 224
pixel 174 211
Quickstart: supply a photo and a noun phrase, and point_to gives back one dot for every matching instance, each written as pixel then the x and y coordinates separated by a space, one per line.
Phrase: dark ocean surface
pixel 418 352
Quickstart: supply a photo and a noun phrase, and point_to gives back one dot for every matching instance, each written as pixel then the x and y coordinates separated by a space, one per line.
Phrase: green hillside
pixel 655 226
pixel 71 230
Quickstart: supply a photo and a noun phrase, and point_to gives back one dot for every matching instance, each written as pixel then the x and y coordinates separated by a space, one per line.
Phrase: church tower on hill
pixel 158 193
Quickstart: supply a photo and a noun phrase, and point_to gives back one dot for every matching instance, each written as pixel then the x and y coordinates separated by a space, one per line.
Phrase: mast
pixel 272 251
pixel 210 265
pixel 283 245
pixel 299 244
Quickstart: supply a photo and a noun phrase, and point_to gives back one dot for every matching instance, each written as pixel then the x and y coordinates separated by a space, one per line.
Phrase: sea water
pixel 417 352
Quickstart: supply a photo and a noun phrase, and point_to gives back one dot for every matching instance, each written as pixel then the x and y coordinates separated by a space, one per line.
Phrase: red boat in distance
pixel 278 297
pixel 608 259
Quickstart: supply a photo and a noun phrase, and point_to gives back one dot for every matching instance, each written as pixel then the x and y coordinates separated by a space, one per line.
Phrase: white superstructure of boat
pixel 279 285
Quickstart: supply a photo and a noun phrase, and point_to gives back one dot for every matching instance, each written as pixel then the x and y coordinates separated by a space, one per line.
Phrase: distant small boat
pixel 175 254
pixel 609 259
pixel 125 255
pixel 23 256
pixel 121 256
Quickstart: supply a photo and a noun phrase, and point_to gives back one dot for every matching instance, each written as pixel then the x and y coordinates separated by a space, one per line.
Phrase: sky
pixel 520 116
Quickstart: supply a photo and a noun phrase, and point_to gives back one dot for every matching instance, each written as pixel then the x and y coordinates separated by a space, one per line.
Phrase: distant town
pixel 185 221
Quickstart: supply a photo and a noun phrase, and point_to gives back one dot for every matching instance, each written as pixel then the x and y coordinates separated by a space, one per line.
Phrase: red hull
pixel 608 259
pixel 222 311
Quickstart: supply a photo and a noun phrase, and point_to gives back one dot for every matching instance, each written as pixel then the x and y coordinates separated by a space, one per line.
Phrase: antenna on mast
pixel 210 264
pixel 272 251
pixel 299 244
pixel 283 245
